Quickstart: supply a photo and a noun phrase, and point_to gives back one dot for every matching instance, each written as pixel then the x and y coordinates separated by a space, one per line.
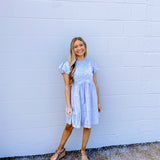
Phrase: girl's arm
pixel 95 81
pixel 67 93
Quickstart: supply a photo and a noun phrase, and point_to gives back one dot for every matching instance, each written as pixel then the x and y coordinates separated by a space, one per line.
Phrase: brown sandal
pixel 84 155
pixel 60 154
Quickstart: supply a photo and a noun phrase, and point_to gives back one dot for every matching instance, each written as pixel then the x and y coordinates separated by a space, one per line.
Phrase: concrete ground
pixel 145 151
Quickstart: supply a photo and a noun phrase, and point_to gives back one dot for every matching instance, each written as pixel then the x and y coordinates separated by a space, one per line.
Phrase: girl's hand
pixel 99 107
pixel 69 111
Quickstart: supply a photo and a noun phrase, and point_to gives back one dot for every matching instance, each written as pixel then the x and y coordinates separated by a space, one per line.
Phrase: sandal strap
pixel 59 152
pixel 83 153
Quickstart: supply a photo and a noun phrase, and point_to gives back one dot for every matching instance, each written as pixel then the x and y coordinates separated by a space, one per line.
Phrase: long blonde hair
pixel 73 57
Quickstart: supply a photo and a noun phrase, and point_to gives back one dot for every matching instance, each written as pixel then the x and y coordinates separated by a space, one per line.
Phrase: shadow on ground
pixel 143 151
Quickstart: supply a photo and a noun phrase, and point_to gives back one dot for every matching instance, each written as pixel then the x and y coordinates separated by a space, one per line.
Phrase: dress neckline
pixel 81 60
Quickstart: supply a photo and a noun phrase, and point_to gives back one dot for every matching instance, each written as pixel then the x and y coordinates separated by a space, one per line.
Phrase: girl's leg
pixel 86 134
pixel 66 133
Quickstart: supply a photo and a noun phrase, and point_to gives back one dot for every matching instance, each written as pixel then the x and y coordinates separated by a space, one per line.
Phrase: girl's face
pixel 79 48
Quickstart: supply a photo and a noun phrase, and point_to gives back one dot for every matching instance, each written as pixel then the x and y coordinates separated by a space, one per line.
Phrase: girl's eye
pixel 79 45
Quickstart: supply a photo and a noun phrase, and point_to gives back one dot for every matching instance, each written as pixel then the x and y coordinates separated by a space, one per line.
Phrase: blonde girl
pixel 82 95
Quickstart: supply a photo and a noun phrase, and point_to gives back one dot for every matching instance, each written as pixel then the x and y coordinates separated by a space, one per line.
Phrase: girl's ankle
pixel 83 151
pixel 60 149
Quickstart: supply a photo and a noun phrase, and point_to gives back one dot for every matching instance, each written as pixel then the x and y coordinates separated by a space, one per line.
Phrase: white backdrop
pixel 123 39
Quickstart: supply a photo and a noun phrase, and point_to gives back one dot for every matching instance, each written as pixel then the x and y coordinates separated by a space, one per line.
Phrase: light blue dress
pixel 84 100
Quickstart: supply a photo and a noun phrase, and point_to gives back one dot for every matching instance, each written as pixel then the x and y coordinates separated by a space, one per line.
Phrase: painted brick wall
pixel 123 39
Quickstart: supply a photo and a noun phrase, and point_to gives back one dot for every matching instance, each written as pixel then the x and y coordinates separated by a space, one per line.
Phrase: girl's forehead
pixel 77 42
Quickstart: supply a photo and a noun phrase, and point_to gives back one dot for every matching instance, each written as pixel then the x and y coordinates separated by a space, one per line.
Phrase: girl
pixel 82 95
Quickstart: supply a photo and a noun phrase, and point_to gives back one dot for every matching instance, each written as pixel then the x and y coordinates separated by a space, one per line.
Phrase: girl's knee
pixel 87 128
pixel 69 127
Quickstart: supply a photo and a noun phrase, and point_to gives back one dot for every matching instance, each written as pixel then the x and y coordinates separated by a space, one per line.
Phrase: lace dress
pixel 84 100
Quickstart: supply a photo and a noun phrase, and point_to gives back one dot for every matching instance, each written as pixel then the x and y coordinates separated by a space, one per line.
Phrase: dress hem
pixel 84 126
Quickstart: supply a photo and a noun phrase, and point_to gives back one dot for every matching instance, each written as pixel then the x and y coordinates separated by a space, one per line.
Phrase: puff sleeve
pixel 94 67
pixel 64 67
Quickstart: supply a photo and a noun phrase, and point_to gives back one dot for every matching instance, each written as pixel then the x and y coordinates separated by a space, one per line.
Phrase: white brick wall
pixel 123 38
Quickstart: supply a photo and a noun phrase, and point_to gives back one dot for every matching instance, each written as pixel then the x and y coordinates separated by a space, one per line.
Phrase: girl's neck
pixel 81 58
